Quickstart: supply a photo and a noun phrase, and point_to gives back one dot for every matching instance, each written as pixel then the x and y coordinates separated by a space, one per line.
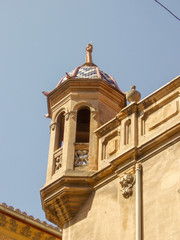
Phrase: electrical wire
pixel 167 10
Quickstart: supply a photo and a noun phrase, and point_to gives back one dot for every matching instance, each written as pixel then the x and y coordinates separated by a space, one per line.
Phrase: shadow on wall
pixel 84 210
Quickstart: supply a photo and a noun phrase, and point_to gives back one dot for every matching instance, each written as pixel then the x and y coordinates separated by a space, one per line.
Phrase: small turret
pixel 83 100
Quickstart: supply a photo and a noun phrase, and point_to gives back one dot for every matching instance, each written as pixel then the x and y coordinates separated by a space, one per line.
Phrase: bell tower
pixel 83 100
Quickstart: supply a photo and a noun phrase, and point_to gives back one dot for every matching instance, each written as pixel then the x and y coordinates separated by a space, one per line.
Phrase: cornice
pixel 160 93
pixel 109 126
pixel 73 85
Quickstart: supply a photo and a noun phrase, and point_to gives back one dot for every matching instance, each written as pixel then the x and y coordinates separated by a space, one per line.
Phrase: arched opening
pixel 83 125
pixel 60 131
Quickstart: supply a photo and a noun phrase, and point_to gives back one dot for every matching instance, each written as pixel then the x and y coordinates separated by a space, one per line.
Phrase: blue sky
pixel 136 42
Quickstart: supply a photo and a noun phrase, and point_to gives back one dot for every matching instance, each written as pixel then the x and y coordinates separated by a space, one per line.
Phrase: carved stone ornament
pixel 3 220
pixel 71 114
pixel 58 163
pixel 25 231
pixel 52 126
pixel 13 225
pixel 81 158
pixel 89 49
pixel 37 236
pixel 127 182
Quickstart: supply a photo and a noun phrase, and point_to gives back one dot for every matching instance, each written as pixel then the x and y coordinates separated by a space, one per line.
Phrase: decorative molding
pixel 112 147
pixel 127 182
pixel 109 126
pixel 110 144
pixel 158 115
pixel 168 112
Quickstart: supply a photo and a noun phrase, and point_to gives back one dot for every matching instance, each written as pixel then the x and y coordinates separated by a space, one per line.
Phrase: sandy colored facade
pixel 17 225
pixel 124 182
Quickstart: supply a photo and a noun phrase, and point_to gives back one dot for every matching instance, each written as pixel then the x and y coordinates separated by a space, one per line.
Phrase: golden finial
pixel 89 49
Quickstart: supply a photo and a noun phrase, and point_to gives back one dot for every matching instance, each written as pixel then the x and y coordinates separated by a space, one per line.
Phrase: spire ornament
pixel 89 49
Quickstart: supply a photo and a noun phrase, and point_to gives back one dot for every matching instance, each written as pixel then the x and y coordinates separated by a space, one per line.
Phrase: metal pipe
pixel 138 203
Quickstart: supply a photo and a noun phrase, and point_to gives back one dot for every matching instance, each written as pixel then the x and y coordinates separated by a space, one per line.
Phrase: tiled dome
pixel 87 71
pixel 90 72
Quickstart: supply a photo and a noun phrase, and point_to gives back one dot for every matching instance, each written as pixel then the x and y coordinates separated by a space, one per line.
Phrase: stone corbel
pixel 127 182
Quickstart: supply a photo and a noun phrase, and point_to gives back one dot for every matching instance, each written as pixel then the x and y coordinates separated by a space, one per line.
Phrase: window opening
pixel 83 125
pixel 60 131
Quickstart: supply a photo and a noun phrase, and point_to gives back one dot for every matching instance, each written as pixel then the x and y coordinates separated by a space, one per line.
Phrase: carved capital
pixel 66 115
pixel 71 114
pixel 94 114
pixel 53 126
pixel 127 182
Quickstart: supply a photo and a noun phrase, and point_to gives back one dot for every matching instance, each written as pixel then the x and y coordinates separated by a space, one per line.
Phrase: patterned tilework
pixel 87 72
pixel 90 72
pixel 108 78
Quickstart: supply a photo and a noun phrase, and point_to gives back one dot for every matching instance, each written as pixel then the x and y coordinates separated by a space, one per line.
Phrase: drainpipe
pixel 138 203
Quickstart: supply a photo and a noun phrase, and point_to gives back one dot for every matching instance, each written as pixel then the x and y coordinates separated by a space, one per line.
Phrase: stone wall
pixel 108 215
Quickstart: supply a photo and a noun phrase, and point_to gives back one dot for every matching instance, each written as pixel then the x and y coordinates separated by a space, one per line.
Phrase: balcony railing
pixel 81 156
